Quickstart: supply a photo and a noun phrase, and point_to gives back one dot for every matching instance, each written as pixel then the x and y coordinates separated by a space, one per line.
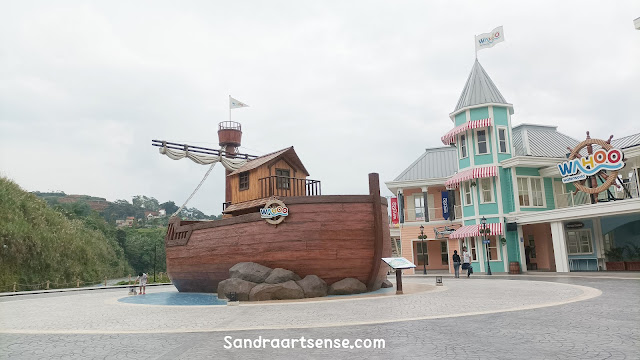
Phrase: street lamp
pixel 483 221
pixel 422 237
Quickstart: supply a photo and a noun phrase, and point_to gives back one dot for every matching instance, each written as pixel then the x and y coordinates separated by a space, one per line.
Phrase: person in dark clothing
pixel 456 263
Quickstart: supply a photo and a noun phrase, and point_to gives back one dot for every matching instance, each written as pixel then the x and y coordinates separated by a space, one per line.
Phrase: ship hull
pixel 333 237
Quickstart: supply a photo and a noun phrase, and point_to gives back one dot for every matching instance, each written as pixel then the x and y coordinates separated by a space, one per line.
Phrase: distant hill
pixel 52 198
pixel 38 243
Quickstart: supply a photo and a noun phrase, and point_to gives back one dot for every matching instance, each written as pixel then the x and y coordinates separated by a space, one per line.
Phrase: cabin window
pixel 244 180
pixel 283 178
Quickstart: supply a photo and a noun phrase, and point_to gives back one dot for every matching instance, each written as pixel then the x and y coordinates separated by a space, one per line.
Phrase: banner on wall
pixel 445 205
pixel 394 211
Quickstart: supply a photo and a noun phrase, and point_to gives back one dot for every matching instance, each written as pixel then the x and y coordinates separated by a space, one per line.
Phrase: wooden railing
pixel 286 186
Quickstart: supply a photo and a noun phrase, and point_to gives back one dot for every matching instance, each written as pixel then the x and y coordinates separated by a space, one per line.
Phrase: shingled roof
pixel 289 154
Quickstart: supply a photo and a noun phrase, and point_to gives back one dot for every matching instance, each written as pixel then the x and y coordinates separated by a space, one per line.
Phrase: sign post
pixel 398 264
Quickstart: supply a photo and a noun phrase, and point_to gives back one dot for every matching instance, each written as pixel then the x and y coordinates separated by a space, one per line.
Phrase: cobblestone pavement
pixel 601 327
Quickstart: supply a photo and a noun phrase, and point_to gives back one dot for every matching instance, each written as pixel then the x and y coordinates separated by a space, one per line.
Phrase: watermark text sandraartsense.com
pixel 302 343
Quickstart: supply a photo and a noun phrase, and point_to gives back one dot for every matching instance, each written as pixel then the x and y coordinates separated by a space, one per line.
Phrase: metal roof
pixel 479 89
pixel 541 141
pixel 627 141
pixel 434 163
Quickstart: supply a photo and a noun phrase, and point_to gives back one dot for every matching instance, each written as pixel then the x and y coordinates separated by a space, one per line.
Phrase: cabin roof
pixel 246 205
pixel 289 154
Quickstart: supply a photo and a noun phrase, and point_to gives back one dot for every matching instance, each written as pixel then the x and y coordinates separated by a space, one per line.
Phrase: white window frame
pixel 578 231
pixel 417 200
pixel 529 180
pixel 506 139
pixel 471 247
pixel 493 197
pixel 465 185
pixel 486 137
pixel 497 247
pixel 463 144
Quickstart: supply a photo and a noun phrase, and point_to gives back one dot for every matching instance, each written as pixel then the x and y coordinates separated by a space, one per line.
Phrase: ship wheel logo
pixel 589 172
pixel 274 211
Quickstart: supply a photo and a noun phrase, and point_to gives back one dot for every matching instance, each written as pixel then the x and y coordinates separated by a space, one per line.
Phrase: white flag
pixel 484 41
pixel 234 104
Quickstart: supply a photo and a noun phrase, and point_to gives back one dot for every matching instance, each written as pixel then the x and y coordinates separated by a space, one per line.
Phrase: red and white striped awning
pixel 474 230
pixel 477 173
pixel 450 137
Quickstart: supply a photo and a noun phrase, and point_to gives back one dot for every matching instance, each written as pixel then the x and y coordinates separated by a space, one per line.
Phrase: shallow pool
pixel 174 298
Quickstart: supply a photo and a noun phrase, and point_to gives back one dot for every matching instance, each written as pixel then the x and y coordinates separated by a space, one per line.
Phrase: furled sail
pixel 202 159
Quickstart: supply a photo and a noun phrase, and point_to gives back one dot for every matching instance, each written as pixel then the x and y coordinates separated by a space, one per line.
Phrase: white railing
pixel 570 199
pixel 435 214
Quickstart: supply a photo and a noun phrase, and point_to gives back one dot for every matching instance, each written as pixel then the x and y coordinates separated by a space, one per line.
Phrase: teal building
pixel 507 177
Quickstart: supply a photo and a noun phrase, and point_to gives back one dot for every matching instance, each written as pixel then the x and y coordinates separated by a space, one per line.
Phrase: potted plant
pixel 633 254
pixel 614 259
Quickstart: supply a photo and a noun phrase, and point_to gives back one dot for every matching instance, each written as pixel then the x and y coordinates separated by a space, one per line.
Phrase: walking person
pixel 456 263
pixel 466 261
pixel 142 277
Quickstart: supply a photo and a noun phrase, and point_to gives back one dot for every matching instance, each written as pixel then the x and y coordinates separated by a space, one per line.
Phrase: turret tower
pixel 230 138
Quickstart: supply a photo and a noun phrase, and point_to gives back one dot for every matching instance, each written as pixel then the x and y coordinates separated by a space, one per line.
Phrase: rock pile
pixel 254 282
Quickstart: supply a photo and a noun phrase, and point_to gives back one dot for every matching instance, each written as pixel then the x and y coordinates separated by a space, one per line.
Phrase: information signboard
pixel 399 263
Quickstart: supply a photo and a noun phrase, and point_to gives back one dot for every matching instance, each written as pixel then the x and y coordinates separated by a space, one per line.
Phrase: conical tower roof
pixel 479 89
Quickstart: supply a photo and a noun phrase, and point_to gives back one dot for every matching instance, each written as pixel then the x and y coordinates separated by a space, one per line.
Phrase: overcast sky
pixel 355 86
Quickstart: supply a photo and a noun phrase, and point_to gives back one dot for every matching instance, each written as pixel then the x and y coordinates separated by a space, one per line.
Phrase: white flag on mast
pixel 234 104
pixel 487 40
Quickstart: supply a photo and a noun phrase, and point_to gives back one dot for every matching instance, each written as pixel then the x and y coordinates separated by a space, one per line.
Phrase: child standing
pixel 142 277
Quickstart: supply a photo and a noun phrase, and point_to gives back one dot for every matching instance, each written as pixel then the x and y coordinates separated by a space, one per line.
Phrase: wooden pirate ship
pixel 331 236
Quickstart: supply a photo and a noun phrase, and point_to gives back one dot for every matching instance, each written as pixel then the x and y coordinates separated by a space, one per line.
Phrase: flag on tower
pixel 487 40
pixel 234 104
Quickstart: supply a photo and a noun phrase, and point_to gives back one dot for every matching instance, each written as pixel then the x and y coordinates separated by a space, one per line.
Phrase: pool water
pixel 190 299
pixel 174 298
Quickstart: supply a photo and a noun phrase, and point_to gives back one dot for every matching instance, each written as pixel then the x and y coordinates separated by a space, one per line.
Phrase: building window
pixel 423 256
pixel 537 196
pixel 579 242
pixel 486 191
pixel 530 192
pixel 445 253
pixel 244 180
pixel 494 254
pixel 472 249
pixel 466 187
pixel 282 178
pixel 523 191
pixel 418 201
pixel 502 139
pixel 481 135
pixel 463 146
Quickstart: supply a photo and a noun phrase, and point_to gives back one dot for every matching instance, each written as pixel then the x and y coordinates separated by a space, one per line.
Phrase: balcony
pixel 287 186
pixel 570 199
pixel 435 214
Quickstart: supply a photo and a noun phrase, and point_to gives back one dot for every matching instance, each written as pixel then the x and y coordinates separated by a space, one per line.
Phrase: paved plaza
pixel 538 317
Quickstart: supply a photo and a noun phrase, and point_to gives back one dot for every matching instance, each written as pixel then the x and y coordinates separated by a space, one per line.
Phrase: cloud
pixel 356 87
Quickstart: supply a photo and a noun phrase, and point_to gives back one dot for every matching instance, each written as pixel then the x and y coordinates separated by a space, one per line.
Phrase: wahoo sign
pixel 269 213
pixel 579 169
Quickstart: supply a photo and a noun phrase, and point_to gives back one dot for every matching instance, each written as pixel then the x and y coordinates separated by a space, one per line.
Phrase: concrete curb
pixel 88 288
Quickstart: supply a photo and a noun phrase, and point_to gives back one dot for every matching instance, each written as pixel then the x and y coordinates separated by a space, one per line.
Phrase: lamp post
pixel 422 237
pixel 483 221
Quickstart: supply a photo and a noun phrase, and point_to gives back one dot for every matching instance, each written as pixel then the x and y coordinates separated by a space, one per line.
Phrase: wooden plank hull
pixel 334 237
